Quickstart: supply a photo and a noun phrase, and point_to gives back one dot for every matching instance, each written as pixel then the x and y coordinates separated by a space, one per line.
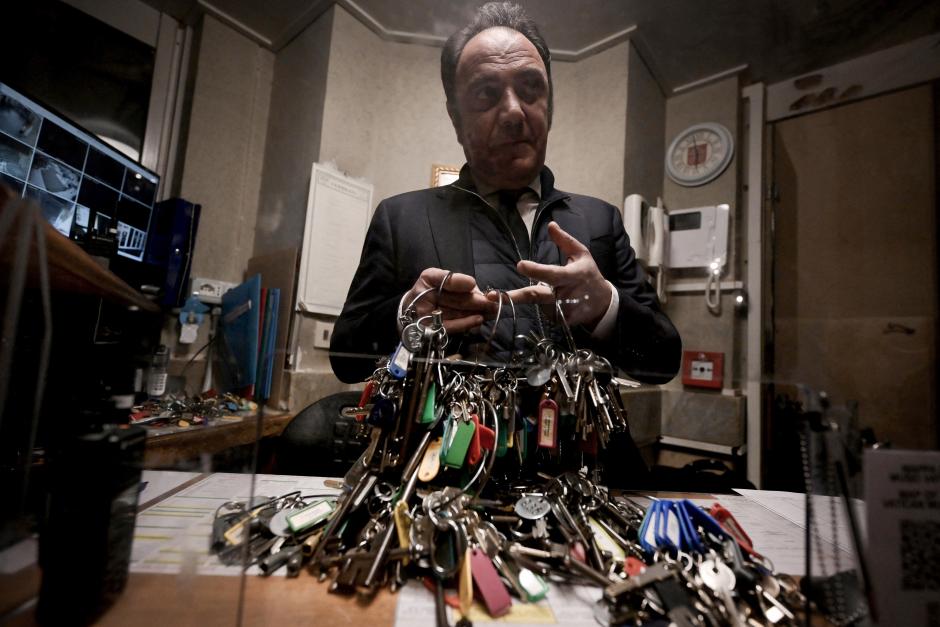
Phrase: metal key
pixel 720 578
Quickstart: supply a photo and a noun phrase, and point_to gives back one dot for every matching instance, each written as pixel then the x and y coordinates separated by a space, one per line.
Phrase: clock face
pixel 699 154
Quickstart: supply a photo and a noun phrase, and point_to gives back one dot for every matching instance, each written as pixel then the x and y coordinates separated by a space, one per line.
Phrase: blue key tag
pixel 666 526
pixel 382 414
pixel 647 533
pixel 399 361
pixel 698 517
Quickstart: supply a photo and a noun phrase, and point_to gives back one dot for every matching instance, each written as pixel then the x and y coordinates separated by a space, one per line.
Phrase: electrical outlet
pixel 322 332
pixel 210 291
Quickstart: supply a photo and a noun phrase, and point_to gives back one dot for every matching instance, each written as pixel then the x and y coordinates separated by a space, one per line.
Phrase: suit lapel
pixel 572 221
pixel 449 221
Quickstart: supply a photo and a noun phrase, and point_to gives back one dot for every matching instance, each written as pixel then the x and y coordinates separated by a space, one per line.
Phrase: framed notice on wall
pixel 338 212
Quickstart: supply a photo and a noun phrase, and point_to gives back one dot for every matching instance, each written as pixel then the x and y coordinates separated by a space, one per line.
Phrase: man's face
pixel 501 108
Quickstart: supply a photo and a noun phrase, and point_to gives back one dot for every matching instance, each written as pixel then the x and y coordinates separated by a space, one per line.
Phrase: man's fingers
pixel 472 302
pixel 459 325
pixel 457 282
pixel 533 294
pixel 553 275
pixel 569 246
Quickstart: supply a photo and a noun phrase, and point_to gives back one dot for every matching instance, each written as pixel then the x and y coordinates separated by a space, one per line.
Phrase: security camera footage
pixel 81 183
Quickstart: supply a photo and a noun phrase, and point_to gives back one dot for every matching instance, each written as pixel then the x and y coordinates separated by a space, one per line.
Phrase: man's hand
pixel 584 292
pixel 460 300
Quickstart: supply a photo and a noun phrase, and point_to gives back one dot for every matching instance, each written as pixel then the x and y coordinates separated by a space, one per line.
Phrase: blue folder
pixel 240 317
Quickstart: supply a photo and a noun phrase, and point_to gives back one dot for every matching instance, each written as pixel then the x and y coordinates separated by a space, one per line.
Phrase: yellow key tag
pixel 402 526
pixel 431 462
pixel 465 587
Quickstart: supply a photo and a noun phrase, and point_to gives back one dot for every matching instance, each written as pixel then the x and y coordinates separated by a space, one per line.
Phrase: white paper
pixel 338 212
pixel 902 489
pixel 792 506
pixel 172 537
pixel 157 482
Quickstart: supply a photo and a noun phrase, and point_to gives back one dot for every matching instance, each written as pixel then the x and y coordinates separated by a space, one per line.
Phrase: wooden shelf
pixel 71 269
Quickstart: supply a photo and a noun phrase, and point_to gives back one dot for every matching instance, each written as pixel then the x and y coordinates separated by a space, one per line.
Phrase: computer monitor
pixel 83 185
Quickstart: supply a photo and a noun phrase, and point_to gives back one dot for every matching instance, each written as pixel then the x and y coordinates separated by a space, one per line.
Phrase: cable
pixel 713 289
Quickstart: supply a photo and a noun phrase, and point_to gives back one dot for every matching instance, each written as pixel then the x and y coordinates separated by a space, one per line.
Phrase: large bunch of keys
pixel 450 490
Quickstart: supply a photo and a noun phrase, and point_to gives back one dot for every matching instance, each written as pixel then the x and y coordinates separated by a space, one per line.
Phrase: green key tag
pixel 459 442
pixel 502 442
pixel 310 516
pixel 427 416
pixel 534 586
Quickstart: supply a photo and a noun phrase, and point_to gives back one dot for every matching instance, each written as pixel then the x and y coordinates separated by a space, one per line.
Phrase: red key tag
pixel 488 584
pixel 364 400
pixel 474 452
pixel 487 437
pixel 589 443
pixel 633 567
pixel 730 524
pixel 548 424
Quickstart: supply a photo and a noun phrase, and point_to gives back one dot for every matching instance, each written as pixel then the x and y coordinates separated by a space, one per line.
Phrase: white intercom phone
pixel 648 228
pixel 698 237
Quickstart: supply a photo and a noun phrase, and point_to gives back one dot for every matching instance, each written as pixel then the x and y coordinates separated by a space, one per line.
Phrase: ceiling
pixel 683 41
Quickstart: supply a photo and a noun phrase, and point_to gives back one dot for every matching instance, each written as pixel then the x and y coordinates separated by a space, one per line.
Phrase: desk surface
pixel 188 595
pixel 170 445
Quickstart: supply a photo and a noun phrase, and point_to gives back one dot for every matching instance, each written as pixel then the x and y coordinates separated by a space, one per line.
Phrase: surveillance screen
pixel 82 184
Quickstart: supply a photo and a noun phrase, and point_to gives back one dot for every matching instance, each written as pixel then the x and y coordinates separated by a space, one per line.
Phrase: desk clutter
pixel 447 491
pixel 205 409
pixel 672 560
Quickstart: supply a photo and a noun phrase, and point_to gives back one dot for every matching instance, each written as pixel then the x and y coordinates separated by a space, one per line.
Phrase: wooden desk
pixel 171 445
pixel 182 599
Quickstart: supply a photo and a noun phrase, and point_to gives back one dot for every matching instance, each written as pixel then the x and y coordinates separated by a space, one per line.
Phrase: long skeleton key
pixel 329 537
pixel 411 478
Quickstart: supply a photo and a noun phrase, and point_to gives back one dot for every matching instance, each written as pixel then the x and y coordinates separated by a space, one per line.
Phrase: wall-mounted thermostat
pixel 702 369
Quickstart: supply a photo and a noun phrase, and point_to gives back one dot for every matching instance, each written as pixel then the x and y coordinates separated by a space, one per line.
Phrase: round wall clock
pixel 699 154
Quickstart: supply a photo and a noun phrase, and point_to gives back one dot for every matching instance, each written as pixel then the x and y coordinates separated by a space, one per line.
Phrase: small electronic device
pixel 648 229
pixel 698 238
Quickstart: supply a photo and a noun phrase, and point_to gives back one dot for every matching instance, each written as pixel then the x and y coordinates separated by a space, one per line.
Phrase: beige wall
pixel 294 135
pixel 644 148
pixel 384 118
pixel 586 145
pixel 225 148
pixel 700 329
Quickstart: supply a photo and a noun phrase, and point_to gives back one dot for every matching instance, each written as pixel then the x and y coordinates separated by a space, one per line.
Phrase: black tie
pixel 508 200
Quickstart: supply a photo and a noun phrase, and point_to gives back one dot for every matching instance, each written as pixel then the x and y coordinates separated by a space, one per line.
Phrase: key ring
pixel 443 572
pixel 564 323
pixel 411 311
pixel 440 288
pixel 499 313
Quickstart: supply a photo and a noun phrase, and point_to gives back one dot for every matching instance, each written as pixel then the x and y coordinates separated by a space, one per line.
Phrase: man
pixel 502 227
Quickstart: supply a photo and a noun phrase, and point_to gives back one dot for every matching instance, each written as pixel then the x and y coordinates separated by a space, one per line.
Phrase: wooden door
pixel 855 263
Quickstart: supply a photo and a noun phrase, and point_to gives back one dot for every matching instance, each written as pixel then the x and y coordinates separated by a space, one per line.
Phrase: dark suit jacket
pixel 431 228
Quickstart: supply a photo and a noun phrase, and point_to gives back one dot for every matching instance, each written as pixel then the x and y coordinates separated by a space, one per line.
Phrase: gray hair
pixel 491 15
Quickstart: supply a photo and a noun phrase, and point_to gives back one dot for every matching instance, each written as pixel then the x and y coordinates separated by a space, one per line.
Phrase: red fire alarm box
pixel 702 370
